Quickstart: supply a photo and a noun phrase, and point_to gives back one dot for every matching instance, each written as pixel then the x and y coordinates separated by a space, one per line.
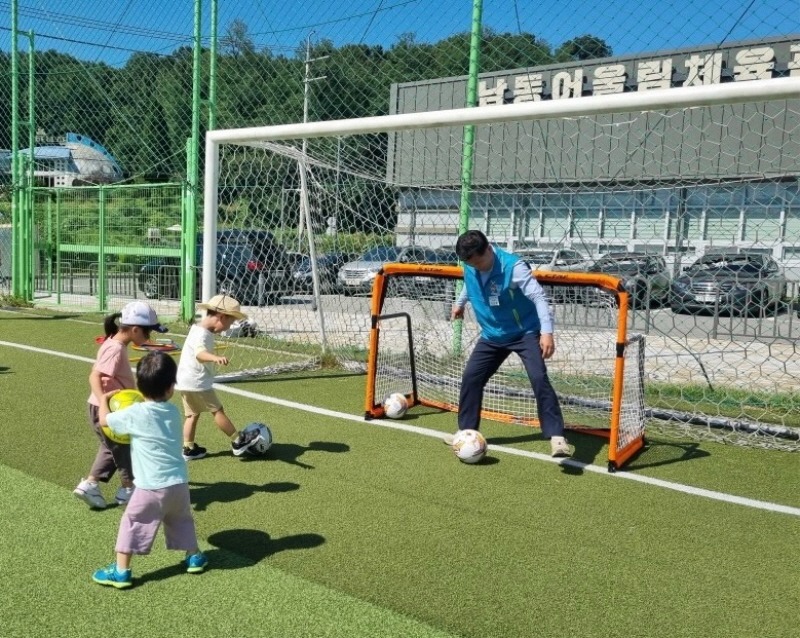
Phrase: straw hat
pixel 224 305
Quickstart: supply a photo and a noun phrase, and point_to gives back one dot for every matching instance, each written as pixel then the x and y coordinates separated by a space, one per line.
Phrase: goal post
pixel 598 369
pixel 654 172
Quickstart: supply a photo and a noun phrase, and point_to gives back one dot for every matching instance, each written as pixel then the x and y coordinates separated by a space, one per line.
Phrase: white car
pixel 561 259
pixel 558 259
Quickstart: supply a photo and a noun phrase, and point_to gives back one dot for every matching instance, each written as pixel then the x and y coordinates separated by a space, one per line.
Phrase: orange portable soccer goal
pixel 597 371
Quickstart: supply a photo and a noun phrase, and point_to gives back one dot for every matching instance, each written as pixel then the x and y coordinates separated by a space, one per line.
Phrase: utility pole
pixel 305 217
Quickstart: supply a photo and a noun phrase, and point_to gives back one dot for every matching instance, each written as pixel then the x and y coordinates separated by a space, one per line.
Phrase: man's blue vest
pixel 514 314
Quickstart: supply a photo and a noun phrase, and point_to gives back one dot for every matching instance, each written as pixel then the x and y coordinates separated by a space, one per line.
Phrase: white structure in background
pixel 72 160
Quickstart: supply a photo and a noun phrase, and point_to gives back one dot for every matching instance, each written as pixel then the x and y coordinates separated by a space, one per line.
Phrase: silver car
pixel 357 276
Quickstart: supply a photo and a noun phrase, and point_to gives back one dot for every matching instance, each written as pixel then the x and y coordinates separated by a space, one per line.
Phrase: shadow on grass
pixel 311 375
pixel 246 547
pixel 5 370
pixel 655 454
pixel 290 452
pixel 203 494
pixel 586 448
pixel 32 317
pixel 237 549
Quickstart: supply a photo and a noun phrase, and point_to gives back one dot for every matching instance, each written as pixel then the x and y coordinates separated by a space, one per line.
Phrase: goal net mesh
pixel 652 181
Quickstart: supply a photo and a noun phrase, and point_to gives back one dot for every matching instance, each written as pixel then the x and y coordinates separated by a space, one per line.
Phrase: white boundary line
pixel 396 425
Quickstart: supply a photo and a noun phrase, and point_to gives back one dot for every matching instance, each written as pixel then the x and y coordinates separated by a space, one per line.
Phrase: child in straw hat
pixel 196 371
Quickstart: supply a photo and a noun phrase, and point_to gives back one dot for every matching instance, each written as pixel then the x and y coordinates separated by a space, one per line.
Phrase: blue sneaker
pixel 196 563
pixel 112 577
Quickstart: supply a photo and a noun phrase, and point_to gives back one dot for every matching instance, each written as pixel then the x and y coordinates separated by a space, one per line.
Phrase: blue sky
pixel 109 30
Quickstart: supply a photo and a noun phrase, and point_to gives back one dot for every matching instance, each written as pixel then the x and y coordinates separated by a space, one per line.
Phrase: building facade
pixel 673 183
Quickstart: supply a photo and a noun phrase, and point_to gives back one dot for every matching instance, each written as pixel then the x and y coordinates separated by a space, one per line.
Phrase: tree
pixel 585 47
pixel 236 42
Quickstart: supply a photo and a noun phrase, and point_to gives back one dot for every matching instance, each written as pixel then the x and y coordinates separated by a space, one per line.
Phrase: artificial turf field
pixel 354 529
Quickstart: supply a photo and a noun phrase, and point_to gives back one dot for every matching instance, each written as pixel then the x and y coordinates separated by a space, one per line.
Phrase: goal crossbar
pixel 657 99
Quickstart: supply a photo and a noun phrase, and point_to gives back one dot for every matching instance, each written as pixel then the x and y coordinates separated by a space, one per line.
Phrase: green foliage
pixel 585 47
pixel 12 301
pixel 142 112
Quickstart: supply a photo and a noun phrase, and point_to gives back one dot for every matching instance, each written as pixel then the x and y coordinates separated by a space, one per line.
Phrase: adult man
pixel 514 316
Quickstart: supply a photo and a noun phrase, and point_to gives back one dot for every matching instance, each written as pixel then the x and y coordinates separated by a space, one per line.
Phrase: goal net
pixel 598 373
pixel 573 179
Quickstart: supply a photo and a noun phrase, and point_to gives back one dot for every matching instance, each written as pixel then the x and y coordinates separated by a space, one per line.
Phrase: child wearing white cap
pixel 112 371
pixel 196 370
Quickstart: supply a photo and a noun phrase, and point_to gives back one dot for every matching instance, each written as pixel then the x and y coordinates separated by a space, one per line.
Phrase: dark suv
pixel 729 282
pixel 645 276
pixel 251 266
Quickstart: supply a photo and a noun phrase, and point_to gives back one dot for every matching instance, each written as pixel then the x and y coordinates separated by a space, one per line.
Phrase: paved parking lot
pixel 740 352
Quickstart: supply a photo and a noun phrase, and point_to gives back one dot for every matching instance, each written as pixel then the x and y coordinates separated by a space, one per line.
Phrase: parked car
pixel 358 275
pixel 556 259
pixel 729 282
pixel 251 266
pixel 644 276
pixel 559 259
pixel 328 266
pixel 423 287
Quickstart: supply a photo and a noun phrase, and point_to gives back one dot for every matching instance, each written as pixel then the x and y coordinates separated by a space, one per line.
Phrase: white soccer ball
pixel 469 446
pixel 395 405
pixel 263 443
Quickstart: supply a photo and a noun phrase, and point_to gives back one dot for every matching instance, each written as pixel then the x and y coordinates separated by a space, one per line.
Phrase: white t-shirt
pixel 194 376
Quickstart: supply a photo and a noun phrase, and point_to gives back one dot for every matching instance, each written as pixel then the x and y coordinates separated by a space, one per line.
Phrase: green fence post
pixel 468 148
pixel 101 252
pixel 58 246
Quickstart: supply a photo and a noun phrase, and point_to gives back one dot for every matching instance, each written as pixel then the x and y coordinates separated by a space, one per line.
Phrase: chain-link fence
pixel 107 107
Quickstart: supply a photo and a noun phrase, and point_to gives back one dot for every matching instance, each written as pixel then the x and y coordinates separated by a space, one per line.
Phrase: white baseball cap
pixel 139 313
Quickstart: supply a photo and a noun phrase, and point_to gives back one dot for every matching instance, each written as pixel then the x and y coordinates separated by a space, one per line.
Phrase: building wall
pixel 706 177
pixel 705 142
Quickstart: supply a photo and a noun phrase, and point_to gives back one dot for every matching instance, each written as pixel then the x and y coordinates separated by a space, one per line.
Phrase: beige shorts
pixel 195 403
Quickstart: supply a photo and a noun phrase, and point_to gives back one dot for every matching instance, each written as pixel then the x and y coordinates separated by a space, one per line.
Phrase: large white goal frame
pixel 658 141
pixel 658 99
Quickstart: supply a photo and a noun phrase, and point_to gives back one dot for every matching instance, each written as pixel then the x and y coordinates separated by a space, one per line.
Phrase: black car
pixel 251 266
pixel 645 277
pixel 328 265
pixel 729 282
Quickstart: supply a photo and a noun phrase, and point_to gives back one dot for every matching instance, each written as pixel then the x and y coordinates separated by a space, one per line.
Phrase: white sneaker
pixel 448 439
pixel 559 446
pixel 123 495
pixel 90 494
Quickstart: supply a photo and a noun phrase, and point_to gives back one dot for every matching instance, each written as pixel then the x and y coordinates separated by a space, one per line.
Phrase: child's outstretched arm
pixel 104 410
pixel 204 356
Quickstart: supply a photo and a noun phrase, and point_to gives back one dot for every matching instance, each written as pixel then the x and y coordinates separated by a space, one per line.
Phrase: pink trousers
pixel 145 513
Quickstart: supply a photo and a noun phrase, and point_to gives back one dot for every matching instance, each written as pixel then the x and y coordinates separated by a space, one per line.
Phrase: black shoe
pixel 244 442
pixel 193 453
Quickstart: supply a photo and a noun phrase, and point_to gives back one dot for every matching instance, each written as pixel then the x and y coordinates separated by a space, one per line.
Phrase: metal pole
pixel 304 194
pixel 307 80
pixel 468 148
pixel 17 248
pixel 189 237
pixel 212 68
pixel 30 240
pixel 102 274
pixel 305 206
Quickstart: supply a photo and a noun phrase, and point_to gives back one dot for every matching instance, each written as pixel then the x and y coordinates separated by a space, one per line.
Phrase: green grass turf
pixel 45 565
pixel 346 513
